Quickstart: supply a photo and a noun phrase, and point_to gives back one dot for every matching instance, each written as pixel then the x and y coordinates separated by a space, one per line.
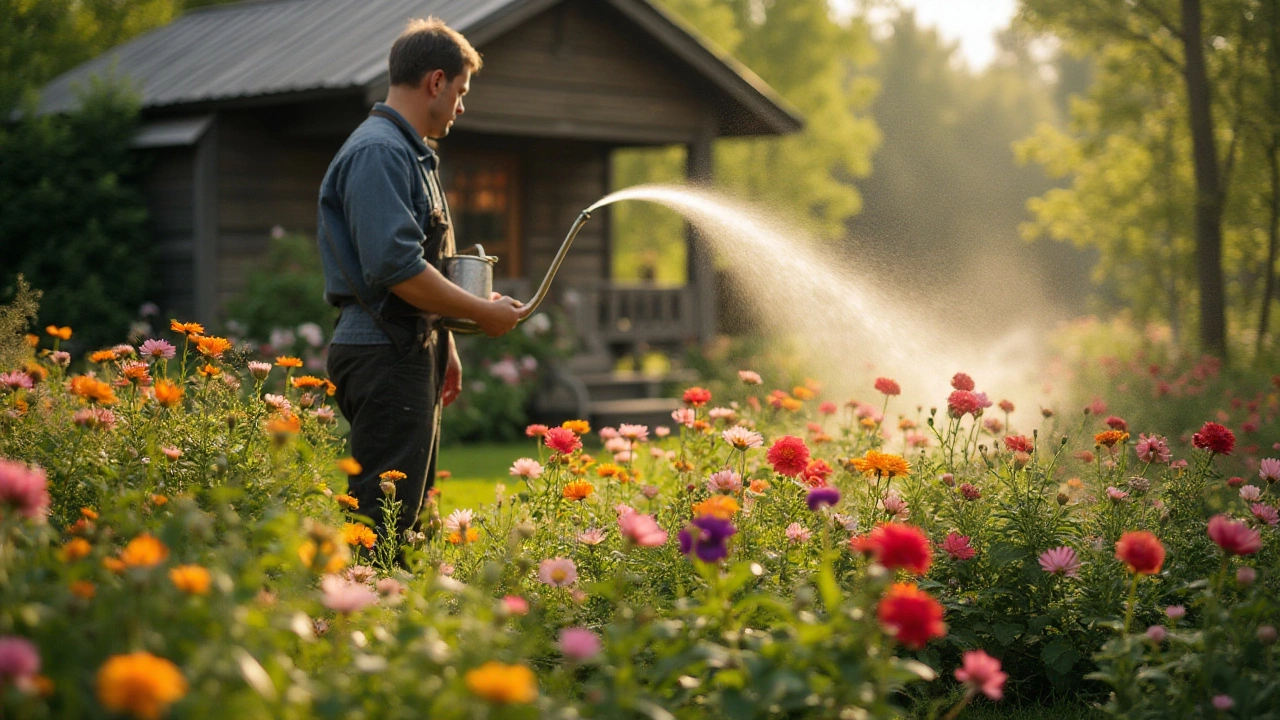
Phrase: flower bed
pixel 174 541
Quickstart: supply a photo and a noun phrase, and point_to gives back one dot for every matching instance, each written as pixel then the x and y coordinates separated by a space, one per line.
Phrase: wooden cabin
pixel 244 106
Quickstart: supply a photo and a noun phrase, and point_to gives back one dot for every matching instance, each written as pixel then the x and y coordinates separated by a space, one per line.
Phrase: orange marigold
pixel 159 500
pixel 349 466
pixel 190 579
pixel 579 427
pixel 62 333
pixel 167 393
pixel 89 513
pixel 606 470
pixel 358 534
pixel 32 339
pixel 140 684
pixel 578 490
pixel 190 328
pixel 1110 438
pixel 720 506
pixel 393 475
pixel 93 390
pixel 285 361
pixel 83 589
pixel 102 356
pixel 455 537
pixel 881 464
pixel 75 549
pixel 308 382
pixel 284 425
pixel 144 551
pixel 503 684
pixel 213 346
pixel 209 370
pixel 347 502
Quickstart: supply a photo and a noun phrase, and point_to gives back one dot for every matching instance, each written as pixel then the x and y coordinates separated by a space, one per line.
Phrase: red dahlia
pixel 962 382
pixel 896 545
pixel 789 456
pixel 1141 551
pixel 1215 438
pixel 911 615
pixel 697 397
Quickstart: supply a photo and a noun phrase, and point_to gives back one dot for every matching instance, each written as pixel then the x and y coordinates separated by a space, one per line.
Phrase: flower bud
pixel 1063 498
pixel 1267 634
pixel 1157 634
pixel 388 488
pixel 526 529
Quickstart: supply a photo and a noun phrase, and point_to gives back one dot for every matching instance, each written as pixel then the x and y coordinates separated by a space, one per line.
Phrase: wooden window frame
pixel 511 263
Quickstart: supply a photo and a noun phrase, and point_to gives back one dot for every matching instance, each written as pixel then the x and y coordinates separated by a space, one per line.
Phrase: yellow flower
pixel 578 490
pixel 167 393
pixel 499 683
pixel 349 466
pixel 881 464
pixel 288 362
pixel 868 423
pixel 186 328
pixel 140 684
pixel 190 579
pixel 102 356
pixel 347 502
pixel 83 589
pixel 579 427
pixel 455 537
pixel 75 549
pixel 62 333
pixel 393 475
pixel 358 534
pixel 721 506
pixel 609 470
pixel 144 551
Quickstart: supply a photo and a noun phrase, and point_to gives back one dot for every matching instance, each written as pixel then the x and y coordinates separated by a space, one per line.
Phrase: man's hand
pixel 452 376
pixel 501 315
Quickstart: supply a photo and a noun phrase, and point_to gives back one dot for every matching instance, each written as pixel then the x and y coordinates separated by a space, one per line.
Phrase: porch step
pixel 621 386
pixel 638 411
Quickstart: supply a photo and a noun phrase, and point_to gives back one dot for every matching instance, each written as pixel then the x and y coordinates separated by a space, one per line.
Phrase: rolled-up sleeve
pixel 378 203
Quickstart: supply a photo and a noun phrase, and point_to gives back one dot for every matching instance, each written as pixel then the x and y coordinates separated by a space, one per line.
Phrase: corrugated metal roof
pixel 273 47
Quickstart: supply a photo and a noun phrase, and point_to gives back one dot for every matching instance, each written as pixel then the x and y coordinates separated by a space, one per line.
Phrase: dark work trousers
pixel 391 398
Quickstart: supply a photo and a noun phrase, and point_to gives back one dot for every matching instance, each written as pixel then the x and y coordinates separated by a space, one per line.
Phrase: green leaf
pixel 1059 655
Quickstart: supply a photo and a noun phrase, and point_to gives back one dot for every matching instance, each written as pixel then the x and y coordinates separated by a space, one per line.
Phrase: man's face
pixel 446 100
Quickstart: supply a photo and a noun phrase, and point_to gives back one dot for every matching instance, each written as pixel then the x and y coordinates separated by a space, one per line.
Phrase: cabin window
pixel 483 198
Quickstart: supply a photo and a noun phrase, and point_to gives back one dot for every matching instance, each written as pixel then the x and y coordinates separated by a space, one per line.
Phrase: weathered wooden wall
pixel 168 191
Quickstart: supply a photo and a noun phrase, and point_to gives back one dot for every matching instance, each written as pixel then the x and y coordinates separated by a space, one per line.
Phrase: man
pixel 384 226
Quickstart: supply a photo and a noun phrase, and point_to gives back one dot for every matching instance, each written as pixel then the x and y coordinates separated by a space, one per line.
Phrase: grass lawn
pixel 985 710
pixel 475 470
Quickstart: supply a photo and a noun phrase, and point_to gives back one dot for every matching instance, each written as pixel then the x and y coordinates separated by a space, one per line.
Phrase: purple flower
pixel 822 496
pixel 159 349
pixel 708 538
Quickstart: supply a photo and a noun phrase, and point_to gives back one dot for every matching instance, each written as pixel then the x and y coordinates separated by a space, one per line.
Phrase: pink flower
pixel 893 504
pixel 1157 634
pixel 19 660
pixel 749 378
pixel 527 468
pixel 650 491
pixel 797 533
pixel 579 644
pixel 742 438
pixel 1175 612
pixel 594 536
pixel 635 433
pixel 888 386
pixel 721 413
pixel 981 673
pixel 684 416
pixel 558 572
pixel 94 418
pixel 16 380
pixel 1060 561
pixel 345 596
pixel 259 370
pixel 1269 469
pixel 516 605
pixel 458 521
pixel 608 433
pixel 1154 449
pixel 389 587
pixel 957 546
pixel 1246 575
pixel 1223 702
pixel 536 430
pixel 1235 538
pixel 641 530
pixel 1116 494
pixel 1265 513
pixel 827 408
pixel 616 445
pixel 961 403
pixel 962 382
pixel 970 491
pixel 563 440
pixel 159 349
pixel 725 481
pixel 171 451
pixel 23 488
pixel 662 431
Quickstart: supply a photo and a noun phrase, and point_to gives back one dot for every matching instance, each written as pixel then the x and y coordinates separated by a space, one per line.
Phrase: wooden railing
pixel 610 312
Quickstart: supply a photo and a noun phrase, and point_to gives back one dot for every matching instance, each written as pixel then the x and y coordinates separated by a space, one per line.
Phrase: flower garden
pixel 175 542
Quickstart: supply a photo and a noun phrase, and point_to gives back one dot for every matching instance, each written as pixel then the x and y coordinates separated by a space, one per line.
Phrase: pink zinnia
pixel 725 481
pixel 635 433
pixel 1060 561
pixel 749 377
pixel 608 433
pixel 684 416
pixel 641 530
pixel 827 408
pixel 1265 513
pixel 797 533
pixel 563 440
pixel 345 596
pixel 579 644
pixel 962 382
pixel 961 403
pixel 1235 538
pixel 981 673
pixel 742 438
pixel 535 430
pixel 1269 469
pixel 23 488
pixel 887 386
pixel 516 605
pixel 1153 449
pixel 662 431
pixel 594 536
pixel 16 380
pixel 957 546
pixel 158 349
pixel 526 468
pixel 558 572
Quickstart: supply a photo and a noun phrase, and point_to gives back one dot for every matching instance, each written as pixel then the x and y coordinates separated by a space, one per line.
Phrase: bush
pixel 282 304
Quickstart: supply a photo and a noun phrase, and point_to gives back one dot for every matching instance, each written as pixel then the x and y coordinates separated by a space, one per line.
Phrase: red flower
pixel 1235 538
pixel 563 440
pixel 789 456
pixel 1214 438
pixel 1006 406
pixel 1018 443
pixel 697 397
pixel 535 431
pixel 817 472
pixel 957 546
pixel 827 408
pixel 888 387
pixel 963 402
pixel 962 382
pixel 1117 423
pixel 896 545
pixel 911 616
pixel 1141 551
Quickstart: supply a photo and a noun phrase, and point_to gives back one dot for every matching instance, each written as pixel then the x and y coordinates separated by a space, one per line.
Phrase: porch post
pixel 701 269
pixel 205 225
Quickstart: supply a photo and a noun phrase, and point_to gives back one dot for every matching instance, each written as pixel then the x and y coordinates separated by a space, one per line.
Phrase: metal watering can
pixel 474 273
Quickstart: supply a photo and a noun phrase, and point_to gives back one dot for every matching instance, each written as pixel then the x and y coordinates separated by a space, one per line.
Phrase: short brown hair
pixel 427 45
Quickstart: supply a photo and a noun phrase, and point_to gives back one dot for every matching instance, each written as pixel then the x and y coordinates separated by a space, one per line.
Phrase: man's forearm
pixel 432 292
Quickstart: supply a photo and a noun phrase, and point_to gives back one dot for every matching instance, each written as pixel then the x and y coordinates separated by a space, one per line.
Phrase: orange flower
pixel 801 392
pixel 213 346
pixel 329 388
pixel 322 555
pixel 349 466
pixel 579 427
pixel 83 589
pixel 75 549
pixel 101 356
pixel 285 361
pixel 186 328
pixel 455 537
pixel 503 684
pixel 137 371
pixel 93 390
pixel 159 500
pixel 1141 551
pixel 308 382
pixel 759 486
pixel 284 425
pixel 881 464
pixel 115 565
pixel 190 579
pixel 62 333
pixel 167 393
pixel 140 684
pixel 393 475
pixel 1110 438
pixel 144 551
pixel 578 490
pixel 210 370
pixel 358 534
pixel 347 502
pixel 791 404
pixel 720 506
pixel 89 513
pixel 32 339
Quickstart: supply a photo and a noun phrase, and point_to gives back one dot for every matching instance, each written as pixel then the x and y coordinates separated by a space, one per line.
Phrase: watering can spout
pixel 470 327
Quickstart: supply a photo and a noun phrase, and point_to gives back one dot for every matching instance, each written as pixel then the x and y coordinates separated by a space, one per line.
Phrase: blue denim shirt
pixel 374 212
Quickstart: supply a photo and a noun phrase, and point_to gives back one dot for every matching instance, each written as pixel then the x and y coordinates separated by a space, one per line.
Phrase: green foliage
pixel 15 322
pixel 75 224
pixel 285 290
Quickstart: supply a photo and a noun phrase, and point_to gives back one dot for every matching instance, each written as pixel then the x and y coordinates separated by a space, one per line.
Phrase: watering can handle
pixel 470 327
